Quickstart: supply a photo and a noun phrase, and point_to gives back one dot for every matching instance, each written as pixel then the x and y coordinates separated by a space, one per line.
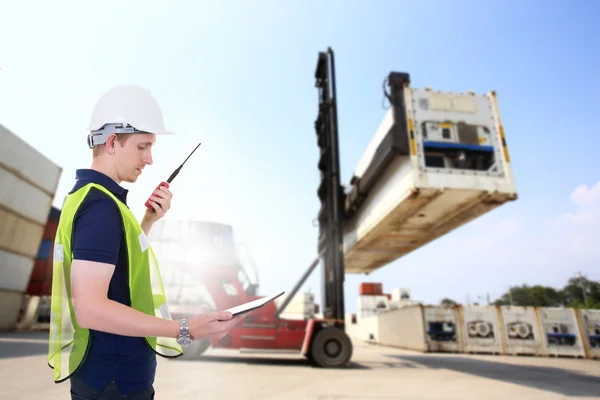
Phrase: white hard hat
pixel 125 109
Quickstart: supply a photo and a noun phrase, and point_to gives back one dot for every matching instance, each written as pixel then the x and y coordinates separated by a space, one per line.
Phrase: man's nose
pixel 148 157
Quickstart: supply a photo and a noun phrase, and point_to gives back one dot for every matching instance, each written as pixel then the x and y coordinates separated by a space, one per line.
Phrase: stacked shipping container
pixel 40 283
pixel 29 182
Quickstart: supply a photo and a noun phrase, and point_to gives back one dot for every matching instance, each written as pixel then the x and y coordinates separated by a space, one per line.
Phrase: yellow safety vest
pixel 68 342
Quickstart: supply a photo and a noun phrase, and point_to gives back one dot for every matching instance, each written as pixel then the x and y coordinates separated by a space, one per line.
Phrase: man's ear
pixel 110 144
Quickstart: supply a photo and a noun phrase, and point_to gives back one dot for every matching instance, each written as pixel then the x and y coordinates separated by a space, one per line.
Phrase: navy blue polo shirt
pixel 98 235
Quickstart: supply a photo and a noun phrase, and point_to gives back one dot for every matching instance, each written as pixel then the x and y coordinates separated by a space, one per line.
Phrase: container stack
pixel 302 306
pixel 40 283
pixel 29 182
pixel 371 300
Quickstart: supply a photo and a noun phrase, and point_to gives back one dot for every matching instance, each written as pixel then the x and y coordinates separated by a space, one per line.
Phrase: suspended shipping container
pixel 29 182
pixel 442 329
pixel 521 331
pixel 480 329
pixel 437 161
pixel 591 325
pixel 562 336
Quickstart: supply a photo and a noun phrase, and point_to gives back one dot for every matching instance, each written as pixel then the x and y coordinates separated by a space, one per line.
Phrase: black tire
pixel 331 348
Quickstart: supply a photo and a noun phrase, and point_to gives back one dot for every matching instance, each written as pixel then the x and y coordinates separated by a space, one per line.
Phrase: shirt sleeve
pixel 97 230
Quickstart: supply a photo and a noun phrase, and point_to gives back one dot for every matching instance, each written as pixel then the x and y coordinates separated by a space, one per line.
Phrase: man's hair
pixel 121 138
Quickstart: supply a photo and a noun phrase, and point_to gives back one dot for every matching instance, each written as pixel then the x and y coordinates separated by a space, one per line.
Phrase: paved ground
pixel 376 373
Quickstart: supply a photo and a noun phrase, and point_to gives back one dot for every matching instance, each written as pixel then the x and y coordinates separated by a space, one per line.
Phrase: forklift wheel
pixel 331 348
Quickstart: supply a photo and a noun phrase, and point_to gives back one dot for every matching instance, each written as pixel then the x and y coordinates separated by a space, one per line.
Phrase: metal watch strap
pixel 184 329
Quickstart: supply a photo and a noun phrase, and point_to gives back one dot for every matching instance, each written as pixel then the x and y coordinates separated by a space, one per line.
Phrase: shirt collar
pixel 85 176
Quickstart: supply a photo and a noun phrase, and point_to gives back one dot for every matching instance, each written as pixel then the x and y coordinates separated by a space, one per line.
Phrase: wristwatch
pixel 184 338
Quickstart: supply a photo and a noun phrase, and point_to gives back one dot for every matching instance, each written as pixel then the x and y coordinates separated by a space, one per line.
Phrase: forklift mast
pixel 330 191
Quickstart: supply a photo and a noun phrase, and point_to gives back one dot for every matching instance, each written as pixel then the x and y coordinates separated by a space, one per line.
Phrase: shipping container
pixel 521 331
pixel 302 306
pixel 370 288
pixel 562 336
pixel 185 250
pixel 11 309
pixel 399 294
pixel 367 329
pixel 403 328
pixel 591 327
pixel 370 305
pixel 29 182
pixel 27 163
pixel 442 329
pixel 19 236
pixel 480 329
pixel 15 270
pixel 437 161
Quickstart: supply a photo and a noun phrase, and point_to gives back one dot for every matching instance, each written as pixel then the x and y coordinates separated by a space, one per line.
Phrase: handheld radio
pixel 173 175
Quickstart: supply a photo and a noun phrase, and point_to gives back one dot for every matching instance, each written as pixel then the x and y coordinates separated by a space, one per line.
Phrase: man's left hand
pixel 160 201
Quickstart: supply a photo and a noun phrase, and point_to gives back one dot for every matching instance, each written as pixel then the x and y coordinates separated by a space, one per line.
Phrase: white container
pixel 15 271
pixel 24 199
pixel 302 306
pixel 186 251
pixel 372 302
pixel 521 331
pixel 480 330
pixel 367 329
pixel 591 324
pixel 402 328
pixel 18 235
pixel 562 336
pixel 442 329
pixel 28 163
pixel 400 294
pixel 400 200
pixel 11 308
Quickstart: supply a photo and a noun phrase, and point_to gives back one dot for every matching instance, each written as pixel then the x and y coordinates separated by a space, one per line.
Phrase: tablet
pixel 252 305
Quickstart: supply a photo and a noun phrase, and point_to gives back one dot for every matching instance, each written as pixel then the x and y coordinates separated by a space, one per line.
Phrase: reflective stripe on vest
pixel 68 342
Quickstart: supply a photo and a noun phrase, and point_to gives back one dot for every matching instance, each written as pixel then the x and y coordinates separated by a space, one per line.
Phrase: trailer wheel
pixel 331 348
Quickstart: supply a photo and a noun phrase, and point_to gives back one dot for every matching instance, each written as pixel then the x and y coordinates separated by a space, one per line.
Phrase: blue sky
pixel 239 78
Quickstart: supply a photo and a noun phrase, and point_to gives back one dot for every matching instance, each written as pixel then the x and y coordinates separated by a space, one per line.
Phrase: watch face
pixel 184 341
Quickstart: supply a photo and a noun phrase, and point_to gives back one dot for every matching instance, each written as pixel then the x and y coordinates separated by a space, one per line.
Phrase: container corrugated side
pixel 11 308
pixel 403 328
pixel 480 329
pixel 18 235
pixel 15 271
pixel 28 163
pixel 23 198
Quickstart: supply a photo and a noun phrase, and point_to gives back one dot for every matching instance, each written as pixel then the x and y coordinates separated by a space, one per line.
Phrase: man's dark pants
pixel 81 391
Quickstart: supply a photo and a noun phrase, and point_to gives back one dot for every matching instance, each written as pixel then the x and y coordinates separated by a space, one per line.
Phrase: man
pixel 109 314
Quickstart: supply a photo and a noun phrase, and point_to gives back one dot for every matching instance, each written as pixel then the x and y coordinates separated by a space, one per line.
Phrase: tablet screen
pixel 254 304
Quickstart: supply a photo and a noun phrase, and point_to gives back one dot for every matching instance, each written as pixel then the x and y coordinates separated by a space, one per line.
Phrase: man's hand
pixel 161 203
pixel 208 325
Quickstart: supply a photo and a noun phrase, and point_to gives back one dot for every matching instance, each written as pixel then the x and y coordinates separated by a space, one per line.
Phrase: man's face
pixel 132 156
